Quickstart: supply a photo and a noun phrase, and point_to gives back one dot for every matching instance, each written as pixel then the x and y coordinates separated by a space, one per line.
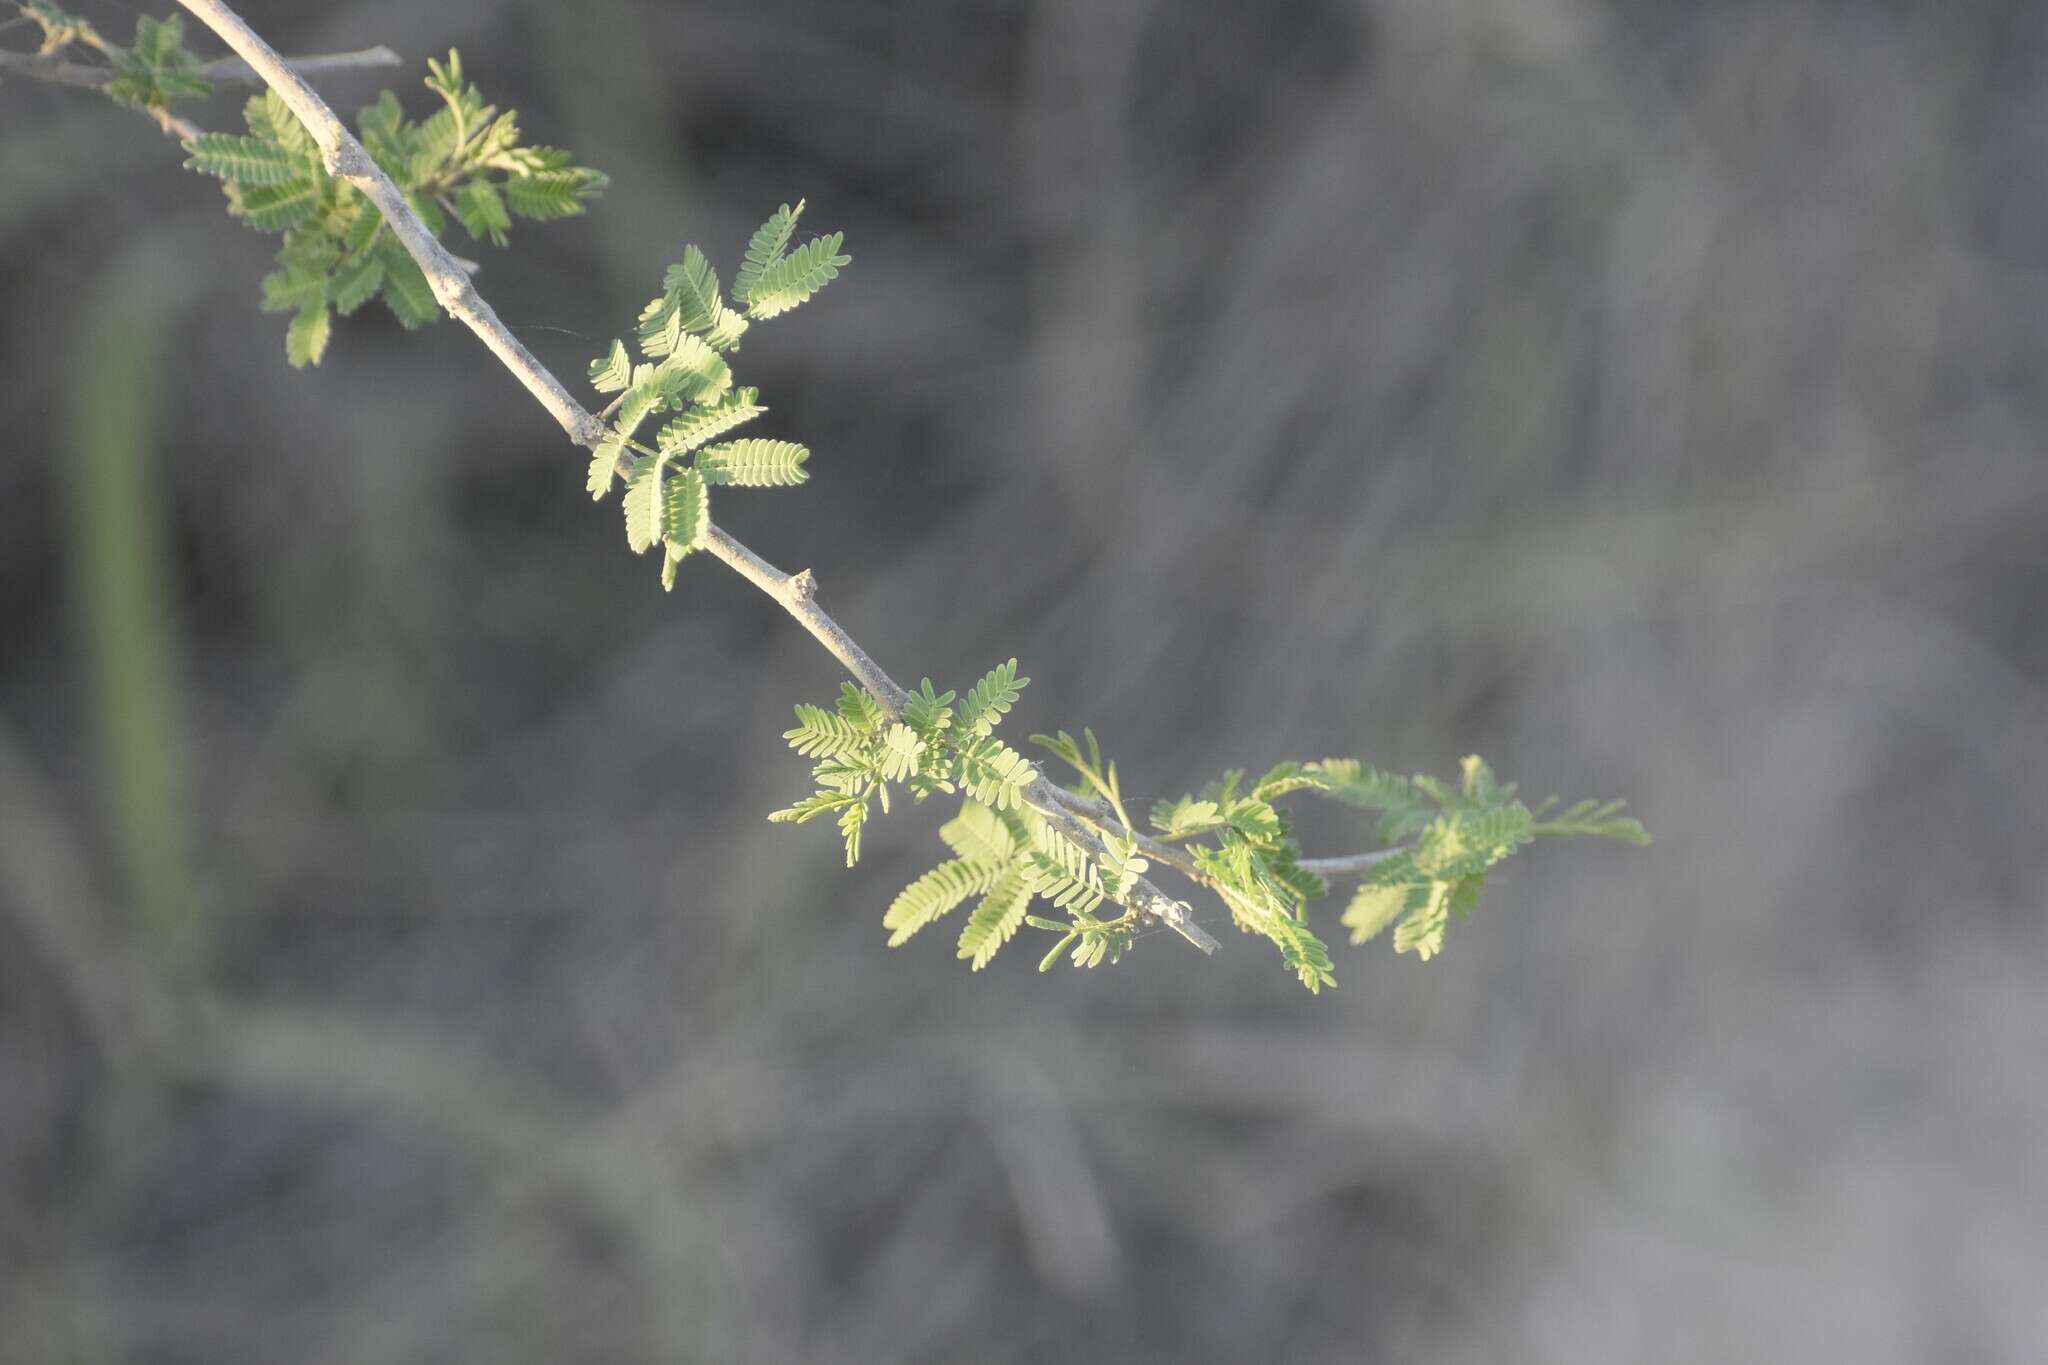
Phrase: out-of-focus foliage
pixel 147 74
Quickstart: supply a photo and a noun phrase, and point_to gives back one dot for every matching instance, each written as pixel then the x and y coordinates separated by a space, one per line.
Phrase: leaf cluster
pixel 938 745
pixel 1459 832
pixel 147 74
pixel 464 161
pixel 1236 836
pixel 1005 854
pixel 1243 845
pixel 685 334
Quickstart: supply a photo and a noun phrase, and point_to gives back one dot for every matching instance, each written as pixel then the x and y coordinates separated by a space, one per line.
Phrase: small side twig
pixel 54 70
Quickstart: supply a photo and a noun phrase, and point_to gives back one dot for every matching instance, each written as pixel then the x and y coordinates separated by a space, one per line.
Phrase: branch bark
pixel 794 593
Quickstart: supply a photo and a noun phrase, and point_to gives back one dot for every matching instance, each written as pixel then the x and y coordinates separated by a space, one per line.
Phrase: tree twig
pixel 794 593
pixel 239 72
pixel 1348 865
pixel 54 70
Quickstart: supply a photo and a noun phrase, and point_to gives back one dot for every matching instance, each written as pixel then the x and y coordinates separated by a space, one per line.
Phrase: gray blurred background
pixel 395 965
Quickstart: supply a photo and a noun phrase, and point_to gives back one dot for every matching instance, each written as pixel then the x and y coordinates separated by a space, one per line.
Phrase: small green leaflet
pixel 754 463
pixel 306 339
pixel 686 513
pixel 765 249
pixel 794 278
pixel 247 160
pixel 611 372
pixel 643 503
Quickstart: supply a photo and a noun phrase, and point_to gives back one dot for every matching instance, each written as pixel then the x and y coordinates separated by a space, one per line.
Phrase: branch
pixel 1348 865
pixel 346 160
pixel 1098 812
pixel 53 70
pixel 235 71
pixel 796 593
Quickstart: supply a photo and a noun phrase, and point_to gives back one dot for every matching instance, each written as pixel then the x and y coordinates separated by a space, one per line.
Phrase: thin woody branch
pixel 796 593
pixel 54 70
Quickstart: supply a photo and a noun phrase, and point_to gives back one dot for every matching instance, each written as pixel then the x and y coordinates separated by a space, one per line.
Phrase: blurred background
pixel 395 964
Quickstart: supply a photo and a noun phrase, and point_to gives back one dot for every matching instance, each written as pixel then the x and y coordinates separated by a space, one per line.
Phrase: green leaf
pixel 160 42
pixel 643 503
pixel 274 207
pixel 1287 778
pixel 362 229
pixel 611 373
pixel 765 250
pixel 686 512
pixel 405 290
pixel 701 373
pixel 653 389
pixel 852 820
pixel 157 68
pixel 989 700
pixel 1061 871
pixel 604 464
pixel 482 212
pixel 355 282
pixel 379 125
pixel 1305 955
pixel 860 706
pixel 902 752
pixel 701 424
pixel 660 326
pixel 270 119
pixel 1464 897
pixel 992 773
pixel 825 734
pixel 305 340
pixel 754 463
pixel 246 160
pixel 693 288
pixel 1422 932
pixel 985 837
pixel 1594 819
pixel 1476 782
pixel 811 807
pixel 928 712
pixel 427 211
pixel 995 920
pixel 1373 908
pixel 934 894
pixel 794 278
pixel 1462 843
pixel 1361 784
pixel 551 194
pixel 1185 817
pixel 292 288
